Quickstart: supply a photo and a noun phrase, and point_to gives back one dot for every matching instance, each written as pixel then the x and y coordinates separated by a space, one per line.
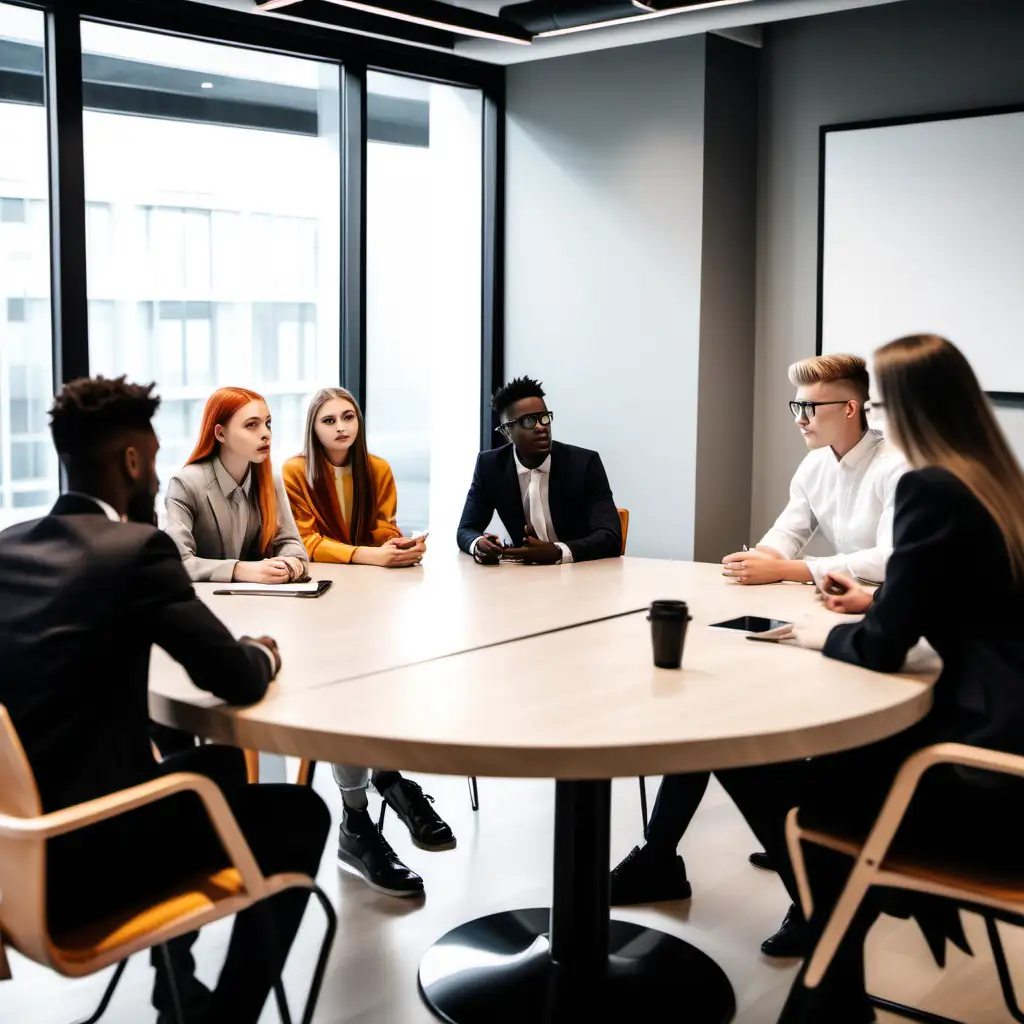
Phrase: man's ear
pixel 133 462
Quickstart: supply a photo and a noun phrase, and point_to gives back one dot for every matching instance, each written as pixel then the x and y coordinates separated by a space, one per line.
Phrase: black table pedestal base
pixel 499 970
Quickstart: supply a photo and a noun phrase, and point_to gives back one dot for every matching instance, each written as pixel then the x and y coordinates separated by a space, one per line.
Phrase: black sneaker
pixel 649 876
pixel 791 940
pixel 414 807
pixel 762 860
pixel 362 848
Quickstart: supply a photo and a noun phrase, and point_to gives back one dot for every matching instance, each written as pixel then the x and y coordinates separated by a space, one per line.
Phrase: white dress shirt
pixel 534 485
pixel 108 510
pixel 849 502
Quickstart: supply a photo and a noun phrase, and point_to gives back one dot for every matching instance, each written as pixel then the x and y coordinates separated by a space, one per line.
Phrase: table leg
pixel 572 963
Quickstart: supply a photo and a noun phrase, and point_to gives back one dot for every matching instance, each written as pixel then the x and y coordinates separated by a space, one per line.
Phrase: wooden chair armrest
pixel 908 778
pixel 71 819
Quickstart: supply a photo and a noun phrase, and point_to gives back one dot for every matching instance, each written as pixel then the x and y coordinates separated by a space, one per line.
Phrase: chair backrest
pixel 22 858
pixel 624 521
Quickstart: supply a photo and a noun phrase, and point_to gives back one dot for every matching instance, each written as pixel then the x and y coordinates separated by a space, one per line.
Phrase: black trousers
pixel 952 816
pixel 137 857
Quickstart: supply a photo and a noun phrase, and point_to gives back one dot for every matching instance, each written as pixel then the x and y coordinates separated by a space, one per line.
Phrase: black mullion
pixel 492 338
pixel 353 231
pixel 69 293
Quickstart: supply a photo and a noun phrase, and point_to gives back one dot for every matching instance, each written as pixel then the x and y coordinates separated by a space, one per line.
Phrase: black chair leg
pixel 321 961
pixel 108 995
pixel 643 803
pixel 911 1012
pixel 474 795
pixel 999 955
pixel 273 955
pixel 172 984
pixel 383 811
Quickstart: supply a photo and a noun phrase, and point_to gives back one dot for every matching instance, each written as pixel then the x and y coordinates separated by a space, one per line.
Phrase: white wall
pixel 917 57
pixel 603 266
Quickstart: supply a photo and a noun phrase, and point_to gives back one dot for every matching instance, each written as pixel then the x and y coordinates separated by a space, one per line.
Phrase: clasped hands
pixel 489 550
pixel 286 569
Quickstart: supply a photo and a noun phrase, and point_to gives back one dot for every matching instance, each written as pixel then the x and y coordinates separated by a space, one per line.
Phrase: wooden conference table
pixel 512 670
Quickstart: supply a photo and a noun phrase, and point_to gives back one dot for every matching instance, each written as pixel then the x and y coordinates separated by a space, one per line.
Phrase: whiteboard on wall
pixel 922 230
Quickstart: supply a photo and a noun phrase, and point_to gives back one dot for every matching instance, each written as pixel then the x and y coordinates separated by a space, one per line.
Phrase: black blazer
pixel 583 510
pixel 949 580
pixel 82 601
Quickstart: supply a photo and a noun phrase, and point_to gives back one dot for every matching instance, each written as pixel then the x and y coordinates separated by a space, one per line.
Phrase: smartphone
pixel 421 534
pixel 751 624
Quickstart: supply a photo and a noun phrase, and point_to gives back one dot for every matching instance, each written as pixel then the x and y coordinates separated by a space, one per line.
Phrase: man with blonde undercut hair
pixel 843 491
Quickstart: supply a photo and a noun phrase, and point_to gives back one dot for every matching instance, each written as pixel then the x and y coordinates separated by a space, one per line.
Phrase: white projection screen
pixel 923 231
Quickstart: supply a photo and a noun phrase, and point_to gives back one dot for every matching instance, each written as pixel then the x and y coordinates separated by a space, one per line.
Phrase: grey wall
pixel 604 297
pixel 728 267
pixel 603 247
pixel 917 57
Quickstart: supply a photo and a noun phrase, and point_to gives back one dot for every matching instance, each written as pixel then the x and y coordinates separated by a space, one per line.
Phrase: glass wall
pixel 28 465
pixel 423 293
pixel 213 188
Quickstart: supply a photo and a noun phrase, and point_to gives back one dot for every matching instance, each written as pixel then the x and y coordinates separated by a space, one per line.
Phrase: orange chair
pixel 198 901
pixel 624 523
pixel 878 862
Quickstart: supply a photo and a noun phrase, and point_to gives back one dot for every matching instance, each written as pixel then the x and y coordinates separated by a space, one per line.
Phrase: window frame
pixel 354 56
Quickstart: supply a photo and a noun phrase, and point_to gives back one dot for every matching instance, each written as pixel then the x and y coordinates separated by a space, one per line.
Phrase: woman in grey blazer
pixel 230 519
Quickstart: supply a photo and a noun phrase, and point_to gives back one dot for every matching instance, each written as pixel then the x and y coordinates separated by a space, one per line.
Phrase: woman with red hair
pixel 229 518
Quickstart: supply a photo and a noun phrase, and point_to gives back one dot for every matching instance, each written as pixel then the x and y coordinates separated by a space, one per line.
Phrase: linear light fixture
pixel 663 12
pixel 418 12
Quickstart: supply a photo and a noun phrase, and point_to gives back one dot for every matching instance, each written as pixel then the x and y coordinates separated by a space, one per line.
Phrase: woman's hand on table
pixel 844 595
pixel 396 553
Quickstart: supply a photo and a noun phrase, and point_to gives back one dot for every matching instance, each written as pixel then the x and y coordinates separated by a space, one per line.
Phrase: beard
pixel 142 508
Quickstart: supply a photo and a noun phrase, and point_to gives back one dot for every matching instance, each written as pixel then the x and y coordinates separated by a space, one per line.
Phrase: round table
pixel 580 703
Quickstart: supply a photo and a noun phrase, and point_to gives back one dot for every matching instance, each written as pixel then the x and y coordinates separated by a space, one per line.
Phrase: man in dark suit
pixel 84 594
pixel 553 498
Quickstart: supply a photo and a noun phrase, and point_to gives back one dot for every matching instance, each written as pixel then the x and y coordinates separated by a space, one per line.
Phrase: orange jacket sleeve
pixel 387 504
pixel 319 547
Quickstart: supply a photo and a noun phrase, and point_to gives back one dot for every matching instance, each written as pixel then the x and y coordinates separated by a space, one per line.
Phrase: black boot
pixel 415 808
pixel 362 848
pixel 792 938
pixel 649 875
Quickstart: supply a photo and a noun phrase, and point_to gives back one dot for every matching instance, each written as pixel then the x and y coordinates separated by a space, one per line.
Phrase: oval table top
pixel 441 669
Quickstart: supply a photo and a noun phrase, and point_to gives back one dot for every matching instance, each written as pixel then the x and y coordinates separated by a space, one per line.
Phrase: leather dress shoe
pixel 762 860
pixel 648 875
pixel 362 848
pixel 791 940
pixel 415 808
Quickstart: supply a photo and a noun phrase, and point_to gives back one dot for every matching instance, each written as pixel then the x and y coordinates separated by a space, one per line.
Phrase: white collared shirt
pixel 849 502
pixel 108 510
pixel 237 497
pixel 534 485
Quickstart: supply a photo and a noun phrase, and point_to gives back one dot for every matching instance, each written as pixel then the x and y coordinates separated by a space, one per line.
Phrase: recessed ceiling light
pixel 206 85
pixel 655 12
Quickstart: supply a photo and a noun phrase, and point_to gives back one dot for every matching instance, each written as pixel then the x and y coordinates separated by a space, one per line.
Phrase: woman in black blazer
pixel 955 579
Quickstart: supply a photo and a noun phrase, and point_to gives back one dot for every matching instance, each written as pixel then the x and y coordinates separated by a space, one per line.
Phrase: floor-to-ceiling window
pixel 213 184
pixel 423 292
pixel 28 465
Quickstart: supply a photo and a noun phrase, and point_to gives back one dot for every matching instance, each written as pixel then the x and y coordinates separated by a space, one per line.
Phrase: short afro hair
pixel 515 391
pixel 89 411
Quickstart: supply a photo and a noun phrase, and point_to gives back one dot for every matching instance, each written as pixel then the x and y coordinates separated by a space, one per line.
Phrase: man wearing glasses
pixel 553 499
pixel 843 491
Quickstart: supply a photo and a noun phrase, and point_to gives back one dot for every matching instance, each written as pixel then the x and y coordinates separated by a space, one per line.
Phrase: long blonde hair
pixel 939 416
pixel 318 469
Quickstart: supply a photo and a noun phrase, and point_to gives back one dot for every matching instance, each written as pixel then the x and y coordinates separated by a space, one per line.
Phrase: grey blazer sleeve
pixel 189 532
pixel 287 541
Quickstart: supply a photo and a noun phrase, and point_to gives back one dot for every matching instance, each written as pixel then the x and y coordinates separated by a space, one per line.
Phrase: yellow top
pixel 323 526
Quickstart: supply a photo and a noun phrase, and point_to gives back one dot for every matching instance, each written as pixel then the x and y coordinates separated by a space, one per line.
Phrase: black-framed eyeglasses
pixel 806 410
pixel 529 421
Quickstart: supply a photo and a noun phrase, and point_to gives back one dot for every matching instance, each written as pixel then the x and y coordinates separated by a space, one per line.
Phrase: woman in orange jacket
pixel 345 504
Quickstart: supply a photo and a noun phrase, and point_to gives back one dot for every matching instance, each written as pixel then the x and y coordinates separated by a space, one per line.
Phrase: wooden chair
pixel 877 863
pixel 198 901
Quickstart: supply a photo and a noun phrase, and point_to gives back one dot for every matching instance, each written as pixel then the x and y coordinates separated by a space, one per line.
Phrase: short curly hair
pixel 91 410
pixel 515 391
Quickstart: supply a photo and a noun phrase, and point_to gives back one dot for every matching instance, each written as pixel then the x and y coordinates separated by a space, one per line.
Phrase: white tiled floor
pixel 503 861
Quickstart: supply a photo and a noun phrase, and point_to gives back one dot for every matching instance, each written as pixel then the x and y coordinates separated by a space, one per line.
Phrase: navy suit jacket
pixel 583 510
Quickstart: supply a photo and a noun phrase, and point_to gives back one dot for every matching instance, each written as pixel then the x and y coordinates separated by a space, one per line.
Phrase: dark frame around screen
pixel 354 55
pixel 1012 397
